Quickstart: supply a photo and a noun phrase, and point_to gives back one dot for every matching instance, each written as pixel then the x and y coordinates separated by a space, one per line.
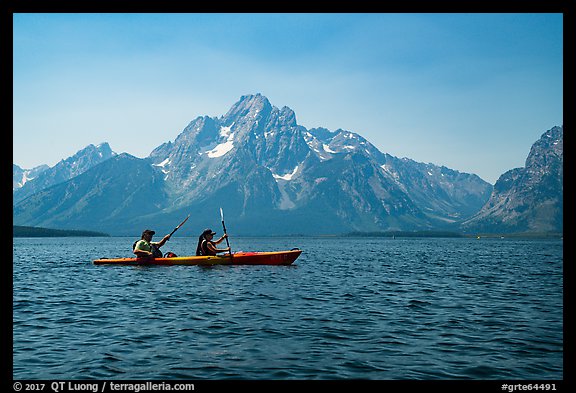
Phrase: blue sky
pixel 472 92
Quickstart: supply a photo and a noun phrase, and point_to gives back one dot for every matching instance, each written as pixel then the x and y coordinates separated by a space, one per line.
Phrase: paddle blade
pixel 222 214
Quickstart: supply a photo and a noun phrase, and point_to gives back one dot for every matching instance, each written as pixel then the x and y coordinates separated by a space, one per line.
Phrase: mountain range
pixel 44 176
pixel 272 177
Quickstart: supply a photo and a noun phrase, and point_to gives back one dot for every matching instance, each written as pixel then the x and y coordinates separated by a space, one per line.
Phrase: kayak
pixel 238 258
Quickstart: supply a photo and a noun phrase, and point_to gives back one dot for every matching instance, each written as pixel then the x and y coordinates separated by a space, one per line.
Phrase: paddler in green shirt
pixel 145 248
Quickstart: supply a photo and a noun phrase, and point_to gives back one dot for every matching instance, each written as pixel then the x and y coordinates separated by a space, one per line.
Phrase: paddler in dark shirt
pixel 208 247
pixel 145 248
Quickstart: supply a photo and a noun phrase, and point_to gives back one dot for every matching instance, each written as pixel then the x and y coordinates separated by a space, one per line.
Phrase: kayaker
pixel 145 247
pixel 208 247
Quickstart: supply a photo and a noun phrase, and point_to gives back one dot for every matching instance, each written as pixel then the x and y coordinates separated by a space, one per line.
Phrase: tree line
pixel 24 231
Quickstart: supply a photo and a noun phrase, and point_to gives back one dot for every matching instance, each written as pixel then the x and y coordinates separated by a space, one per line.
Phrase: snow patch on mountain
pixel 287 176
pixel 224 147
pixel 162 166
pixel 25 178
pixel 226 131
pixel 327 148
pixel 163 163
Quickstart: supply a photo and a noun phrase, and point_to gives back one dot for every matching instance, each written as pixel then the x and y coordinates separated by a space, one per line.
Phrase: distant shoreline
pixel 515 235
pixel 23 231
pixel 26 231
pixel 405 234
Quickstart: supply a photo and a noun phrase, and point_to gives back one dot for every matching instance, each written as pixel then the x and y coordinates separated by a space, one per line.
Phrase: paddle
pixel 178 227
pixel 224 227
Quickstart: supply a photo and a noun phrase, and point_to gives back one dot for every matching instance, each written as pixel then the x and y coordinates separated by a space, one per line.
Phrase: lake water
pixel 349 308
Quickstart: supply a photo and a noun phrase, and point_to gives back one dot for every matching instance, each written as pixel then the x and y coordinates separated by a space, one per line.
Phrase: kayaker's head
pixel 147 234
pixel 208 232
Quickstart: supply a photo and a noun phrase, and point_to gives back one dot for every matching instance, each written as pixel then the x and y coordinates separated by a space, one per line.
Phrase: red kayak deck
pixel 238 258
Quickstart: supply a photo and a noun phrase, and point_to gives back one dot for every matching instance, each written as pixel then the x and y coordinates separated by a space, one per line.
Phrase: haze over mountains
pixel 275 177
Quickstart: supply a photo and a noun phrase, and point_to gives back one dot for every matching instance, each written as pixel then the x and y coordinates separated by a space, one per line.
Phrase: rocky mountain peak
pixel 249 107
pixel 548 149
pixel 199 131
pixel 528 198
pixel 322 134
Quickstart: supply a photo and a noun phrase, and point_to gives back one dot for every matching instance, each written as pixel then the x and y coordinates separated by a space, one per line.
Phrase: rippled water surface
pixel 369 308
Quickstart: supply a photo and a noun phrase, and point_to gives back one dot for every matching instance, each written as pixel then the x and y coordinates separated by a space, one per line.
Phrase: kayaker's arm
pixel 222 238
pixel 216 250
pixel 142 253
pixel 163 241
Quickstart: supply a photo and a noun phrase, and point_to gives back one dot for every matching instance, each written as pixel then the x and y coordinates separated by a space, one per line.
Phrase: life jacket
pixel 205 250
pixel 156 253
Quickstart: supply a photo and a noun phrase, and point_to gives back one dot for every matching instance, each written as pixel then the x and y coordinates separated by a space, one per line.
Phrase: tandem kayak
pixel 238 258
